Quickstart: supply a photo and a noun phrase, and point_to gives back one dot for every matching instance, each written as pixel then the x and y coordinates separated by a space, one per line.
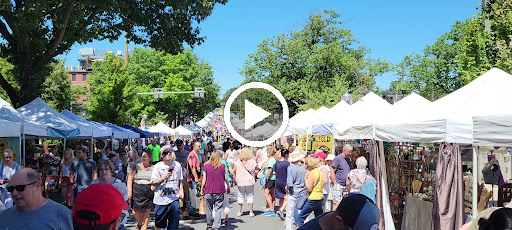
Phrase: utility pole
pixel 126 48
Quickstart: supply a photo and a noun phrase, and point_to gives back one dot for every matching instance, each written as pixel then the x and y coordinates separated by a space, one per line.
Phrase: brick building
pixel 79 74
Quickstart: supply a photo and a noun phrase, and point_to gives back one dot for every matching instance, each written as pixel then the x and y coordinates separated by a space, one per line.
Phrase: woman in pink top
pixel 244 174
pixel 231 155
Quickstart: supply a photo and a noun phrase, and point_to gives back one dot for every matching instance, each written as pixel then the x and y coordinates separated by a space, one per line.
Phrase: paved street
pixel 243 222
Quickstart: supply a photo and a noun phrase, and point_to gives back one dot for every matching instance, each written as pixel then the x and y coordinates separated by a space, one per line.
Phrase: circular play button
pixel 254 114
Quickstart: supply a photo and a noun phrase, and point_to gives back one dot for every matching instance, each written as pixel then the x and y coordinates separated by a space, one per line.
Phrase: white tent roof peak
pixel 412 99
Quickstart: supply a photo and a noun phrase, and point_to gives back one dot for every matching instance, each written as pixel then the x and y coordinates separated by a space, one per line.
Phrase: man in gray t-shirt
pixel 340 168
pixel 32 210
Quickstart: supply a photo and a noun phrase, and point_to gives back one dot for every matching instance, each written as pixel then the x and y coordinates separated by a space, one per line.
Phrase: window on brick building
pixel 84 77
pixel 73 77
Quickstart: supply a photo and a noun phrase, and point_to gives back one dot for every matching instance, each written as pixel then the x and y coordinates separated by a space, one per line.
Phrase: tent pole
pixel 475 182
pixel 24 152
pixel 64 145
pixel 92 148
pixel 307 140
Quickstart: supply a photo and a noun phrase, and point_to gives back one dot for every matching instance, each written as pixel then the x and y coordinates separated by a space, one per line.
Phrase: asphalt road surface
pixel 259 222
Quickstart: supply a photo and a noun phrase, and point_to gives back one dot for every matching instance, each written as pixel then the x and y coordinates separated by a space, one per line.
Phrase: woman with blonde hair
pixel 64 181
pixel 213 189
pixel 270 181
pixel 314 186
pixel 244 170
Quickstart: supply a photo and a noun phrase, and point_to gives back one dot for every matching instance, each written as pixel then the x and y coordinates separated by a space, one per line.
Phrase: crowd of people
pixel 180 184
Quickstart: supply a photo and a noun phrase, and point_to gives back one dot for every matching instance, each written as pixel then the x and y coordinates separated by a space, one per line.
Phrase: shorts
pixel 271 184
pixel 338 192
pixel 65 179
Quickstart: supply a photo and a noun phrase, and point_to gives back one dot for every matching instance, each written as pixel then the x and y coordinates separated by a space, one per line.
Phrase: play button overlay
pixel 254 114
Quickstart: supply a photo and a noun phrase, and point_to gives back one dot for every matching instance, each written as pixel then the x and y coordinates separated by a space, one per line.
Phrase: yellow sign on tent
pixel 318 141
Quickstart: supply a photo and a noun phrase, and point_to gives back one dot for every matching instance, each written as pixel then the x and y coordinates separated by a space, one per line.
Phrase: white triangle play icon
pixel 253 114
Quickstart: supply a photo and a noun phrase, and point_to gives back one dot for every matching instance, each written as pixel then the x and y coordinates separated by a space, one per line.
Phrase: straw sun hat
pixel 296 155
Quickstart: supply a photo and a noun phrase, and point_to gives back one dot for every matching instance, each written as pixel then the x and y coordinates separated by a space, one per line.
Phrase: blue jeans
pixel 168 216
pixel 309 207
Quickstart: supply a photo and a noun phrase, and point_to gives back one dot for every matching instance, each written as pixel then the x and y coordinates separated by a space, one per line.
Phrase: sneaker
pixel 223 222
pixel 251 214
pixel 281 215
pixel 239 214
pixel 270 213
pixel 195 215
pixel 265 208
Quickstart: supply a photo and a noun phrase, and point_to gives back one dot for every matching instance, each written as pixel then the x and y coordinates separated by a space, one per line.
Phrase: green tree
pixel 111 91
pixel 56 90
pixel 181 72
pixel 460 55
pixel 314 66
pixel 34 32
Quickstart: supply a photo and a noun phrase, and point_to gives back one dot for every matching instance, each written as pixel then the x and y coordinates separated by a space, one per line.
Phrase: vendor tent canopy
pixel 325 124
pixel 10 128
pixel 202 123
pixel 290 130
pixel 162 129
pixel 410 108
pixel 450 118
pixel 492 130
pixel 367 111
pixel 142 133
pixel 99 131
pixel 265 130
pixel 58 124
pixel 122 133
pixel 29 127
pixel 182 131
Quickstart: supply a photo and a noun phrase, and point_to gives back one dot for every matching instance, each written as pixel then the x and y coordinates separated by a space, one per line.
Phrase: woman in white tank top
pixel 67 187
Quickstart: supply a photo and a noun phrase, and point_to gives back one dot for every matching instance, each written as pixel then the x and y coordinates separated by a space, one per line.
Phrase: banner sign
pixel 319 142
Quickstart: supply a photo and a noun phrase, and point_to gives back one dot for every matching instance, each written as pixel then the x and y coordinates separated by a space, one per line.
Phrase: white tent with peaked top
pixel 182 131
pixel 325 124
pixel 368 110
pixel 162 129
pixel 58 125
pixel 451 118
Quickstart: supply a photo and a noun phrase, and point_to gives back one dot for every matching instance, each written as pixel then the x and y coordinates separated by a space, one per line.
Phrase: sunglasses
pixel 8 157
pixel 166 152
pixel 19 188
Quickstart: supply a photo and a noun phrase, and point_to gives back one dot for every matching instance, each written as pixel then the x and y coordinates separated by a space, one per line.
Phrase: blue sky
pixel 391 29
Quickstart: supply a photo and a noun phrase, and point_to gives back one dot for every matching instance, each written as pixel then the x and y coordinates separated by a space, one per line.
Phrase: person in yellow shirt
pixel 315 191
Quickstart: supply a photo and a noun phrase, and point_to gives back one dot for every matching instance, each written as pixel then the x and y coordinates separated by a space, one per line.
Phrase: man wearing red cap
pixel 99 207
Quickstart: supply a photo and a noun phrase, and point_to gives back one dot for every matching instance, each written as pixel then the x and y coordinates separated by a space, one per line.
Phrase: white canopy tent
pixel 122 133
pixel 492 130
pixel 58 124
pixel 182 131
pixel 450 118
pixel 28 127
pixel 162 129
pixel 202 123
pixel 10 128
pixel 325 125
pixel 357 121
pixel 99 131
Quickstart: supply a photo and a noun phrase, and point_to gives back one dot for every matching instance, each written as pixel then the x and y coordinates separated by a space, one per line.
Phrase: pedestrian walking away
pixel 213 188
